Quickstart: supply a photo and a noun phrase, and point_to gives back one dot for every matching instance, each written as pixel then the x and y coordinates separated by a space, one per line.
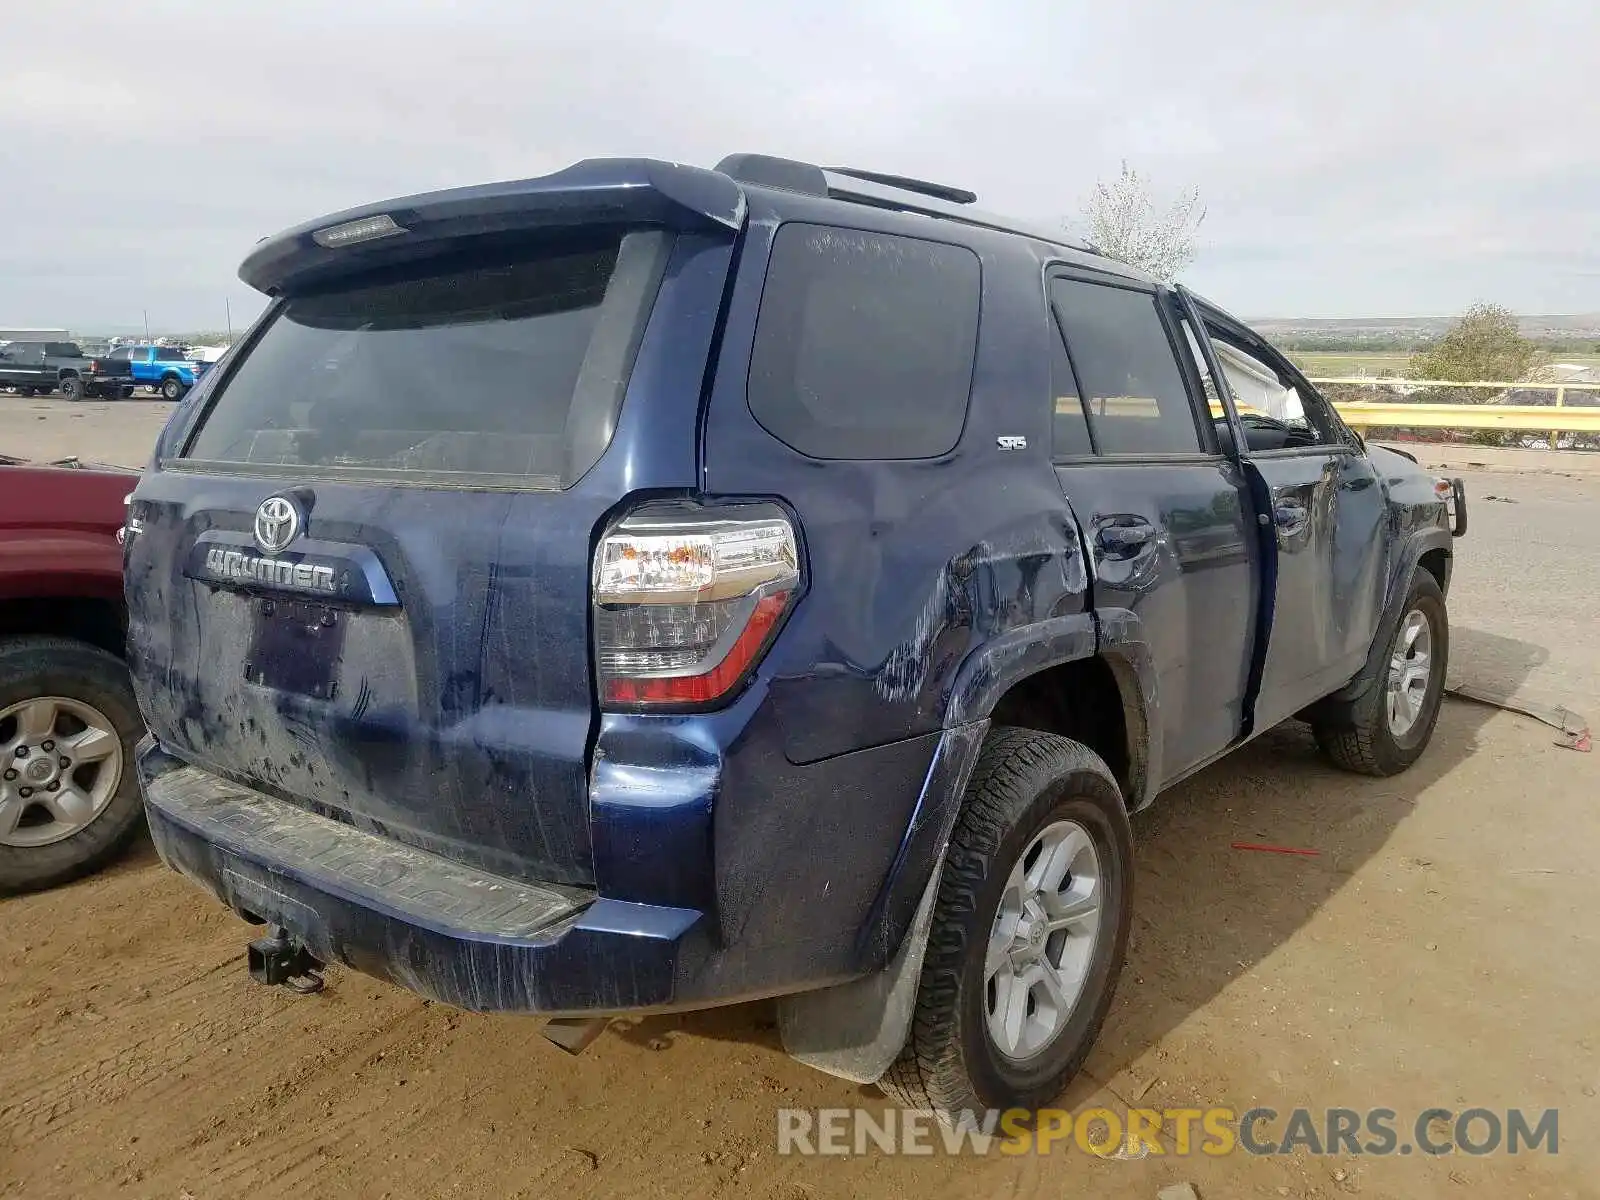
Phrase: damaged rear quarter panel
pixel 931 585
pixel 914 564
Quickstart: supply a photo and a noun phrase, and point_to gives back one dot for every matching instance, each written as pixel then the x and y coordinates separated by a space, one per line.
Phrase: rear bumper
pixel 442 929
pixel 722 872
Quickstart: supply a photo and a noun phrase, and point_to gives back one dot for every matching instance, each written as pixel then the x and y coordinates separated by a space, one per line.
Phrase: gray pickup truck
pixel 39 368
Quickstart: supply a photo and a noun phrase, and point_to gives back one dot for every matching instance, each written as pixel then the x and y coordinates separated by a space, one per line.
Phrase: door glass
pixel 1276 411
pixel 1069 425
pixel 1133 390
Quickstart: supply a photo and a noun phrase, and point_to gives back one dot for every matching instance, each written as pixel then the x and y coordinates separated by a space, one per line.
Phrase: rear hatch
pixel 360 577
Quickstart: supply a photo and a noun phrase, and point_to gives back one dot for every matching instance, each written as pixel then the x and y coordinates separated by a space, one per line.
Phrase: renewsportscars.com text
pixel 1143 1132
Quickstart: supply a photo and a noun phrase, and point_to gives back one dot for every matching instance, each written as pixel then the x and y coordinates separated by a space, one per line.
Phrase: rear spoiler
pixel 597 190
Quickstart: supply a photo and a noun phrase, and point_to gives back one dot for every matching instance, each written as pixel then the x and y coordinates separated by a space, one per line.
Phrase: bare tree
pixel 1124 222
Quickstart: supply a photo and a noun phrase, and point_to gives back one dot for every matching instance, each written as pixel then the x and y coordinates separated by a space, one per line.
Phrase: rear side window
pixel 167 354
pixel 508 368
pixel 1133 390
pixel 62 349
pixel 864 343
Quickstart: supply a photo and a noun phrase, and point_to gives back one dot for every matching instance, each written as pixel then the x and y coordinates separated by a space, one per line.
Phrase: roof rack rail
pixel 939 191
pixel 766 170
pixel 883 191
pixel 865 191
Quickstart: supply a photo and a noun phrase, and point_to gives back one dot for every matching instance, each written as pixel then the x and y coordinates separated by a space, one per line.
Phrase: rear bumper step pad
pixel 440 928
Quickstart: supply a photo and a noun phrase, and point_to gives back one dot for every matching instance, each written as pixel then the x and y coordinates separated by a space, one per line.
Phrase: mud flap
pixel 856 1030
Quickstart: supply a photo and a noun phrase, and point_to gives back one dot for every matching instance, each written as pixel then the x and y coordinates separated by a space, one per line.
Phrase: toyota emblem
pixel 277 523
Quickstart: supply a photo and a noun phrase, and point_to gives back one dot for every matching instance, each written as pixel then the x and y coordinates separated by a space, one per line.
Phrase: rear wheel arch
pixel 1095 701
pixel 96 620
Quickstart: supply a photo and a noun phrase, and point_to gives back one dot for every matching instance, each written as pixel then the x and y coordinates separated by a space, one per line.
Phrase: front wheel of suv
pixel 1387 727
pixel 1029 931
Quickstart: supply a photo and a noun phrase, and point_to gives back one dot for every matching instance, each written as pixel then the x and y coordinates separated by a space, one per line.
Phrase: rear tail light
pixel 687 599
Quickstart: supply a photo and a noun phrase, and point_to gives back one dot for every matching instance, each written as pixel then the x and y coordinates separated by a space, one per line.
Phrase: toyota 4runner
pixel 647 587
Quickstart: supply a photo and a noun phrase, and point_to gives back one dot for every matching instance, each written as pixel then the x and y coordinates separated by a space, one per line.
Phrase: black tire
pixel 1356 735
pixel 1023 782
pixel 172 388
pixel 72 388
pixel 50 666
pixel 27 391
pixel 126 392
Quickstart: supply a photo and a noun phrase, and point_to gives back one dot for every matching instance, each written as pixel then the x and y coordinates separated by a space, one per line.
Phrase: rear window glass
pixel 864 344
pixel 504 367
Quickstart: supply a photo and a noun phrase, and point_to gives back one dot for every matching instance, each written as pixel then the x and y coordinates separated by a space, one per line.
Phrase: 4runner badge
pixel 277 523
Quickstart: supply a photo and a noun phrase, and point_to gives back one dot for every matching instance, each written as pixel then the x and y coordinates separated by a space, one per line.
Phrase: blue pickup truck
pixel 166 368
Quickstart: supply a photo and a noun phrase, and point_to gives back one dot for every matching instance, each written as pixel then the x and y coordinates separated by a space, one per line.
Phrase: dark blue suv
pixel 648 587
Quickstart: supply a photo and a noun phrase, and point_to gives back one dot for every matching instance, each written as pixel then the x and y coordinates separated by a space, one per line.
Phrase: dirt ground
pixel 1439 951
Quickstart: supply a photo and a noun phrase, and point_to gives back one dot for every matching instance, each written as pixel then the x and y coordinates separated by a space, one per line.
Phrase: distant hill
pixel 1583 325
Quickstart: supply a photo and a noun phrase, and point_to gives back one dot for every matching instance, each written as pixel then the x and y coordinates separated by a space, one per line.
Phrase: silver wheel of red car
pixel 69 796
pixel 60 764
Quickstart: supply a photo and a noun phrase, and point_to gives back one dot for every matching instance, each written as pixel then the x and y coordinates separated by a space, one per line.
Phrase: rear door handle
pixel 1124 541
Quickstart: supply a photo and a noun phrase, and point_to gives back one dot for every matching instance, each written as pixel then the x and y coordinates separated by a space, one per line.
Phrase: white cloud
pixel 1370 156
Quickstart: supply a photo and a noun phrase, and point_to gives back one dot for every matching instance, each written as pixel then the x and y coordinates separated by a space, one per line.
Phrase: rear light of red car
pixel 687 599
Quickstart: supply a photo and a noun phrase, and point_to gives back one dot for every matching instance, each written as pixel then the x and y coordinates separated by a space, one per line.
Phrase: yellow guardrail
pixel 1553 420
pixel 1362 415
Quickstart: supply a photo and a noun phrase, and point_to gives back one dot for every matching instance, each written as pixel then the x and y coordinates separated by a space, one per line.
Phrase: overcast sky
pixel 1356 158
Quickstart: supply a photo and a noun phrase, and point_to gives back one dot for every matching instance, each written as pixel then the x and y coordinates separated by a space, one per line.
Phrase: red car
pixel 69 795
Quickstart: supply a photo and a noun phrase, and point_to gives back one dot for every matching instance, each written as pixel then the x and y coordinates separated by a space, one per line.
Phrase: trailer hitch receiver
pixel 278 959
